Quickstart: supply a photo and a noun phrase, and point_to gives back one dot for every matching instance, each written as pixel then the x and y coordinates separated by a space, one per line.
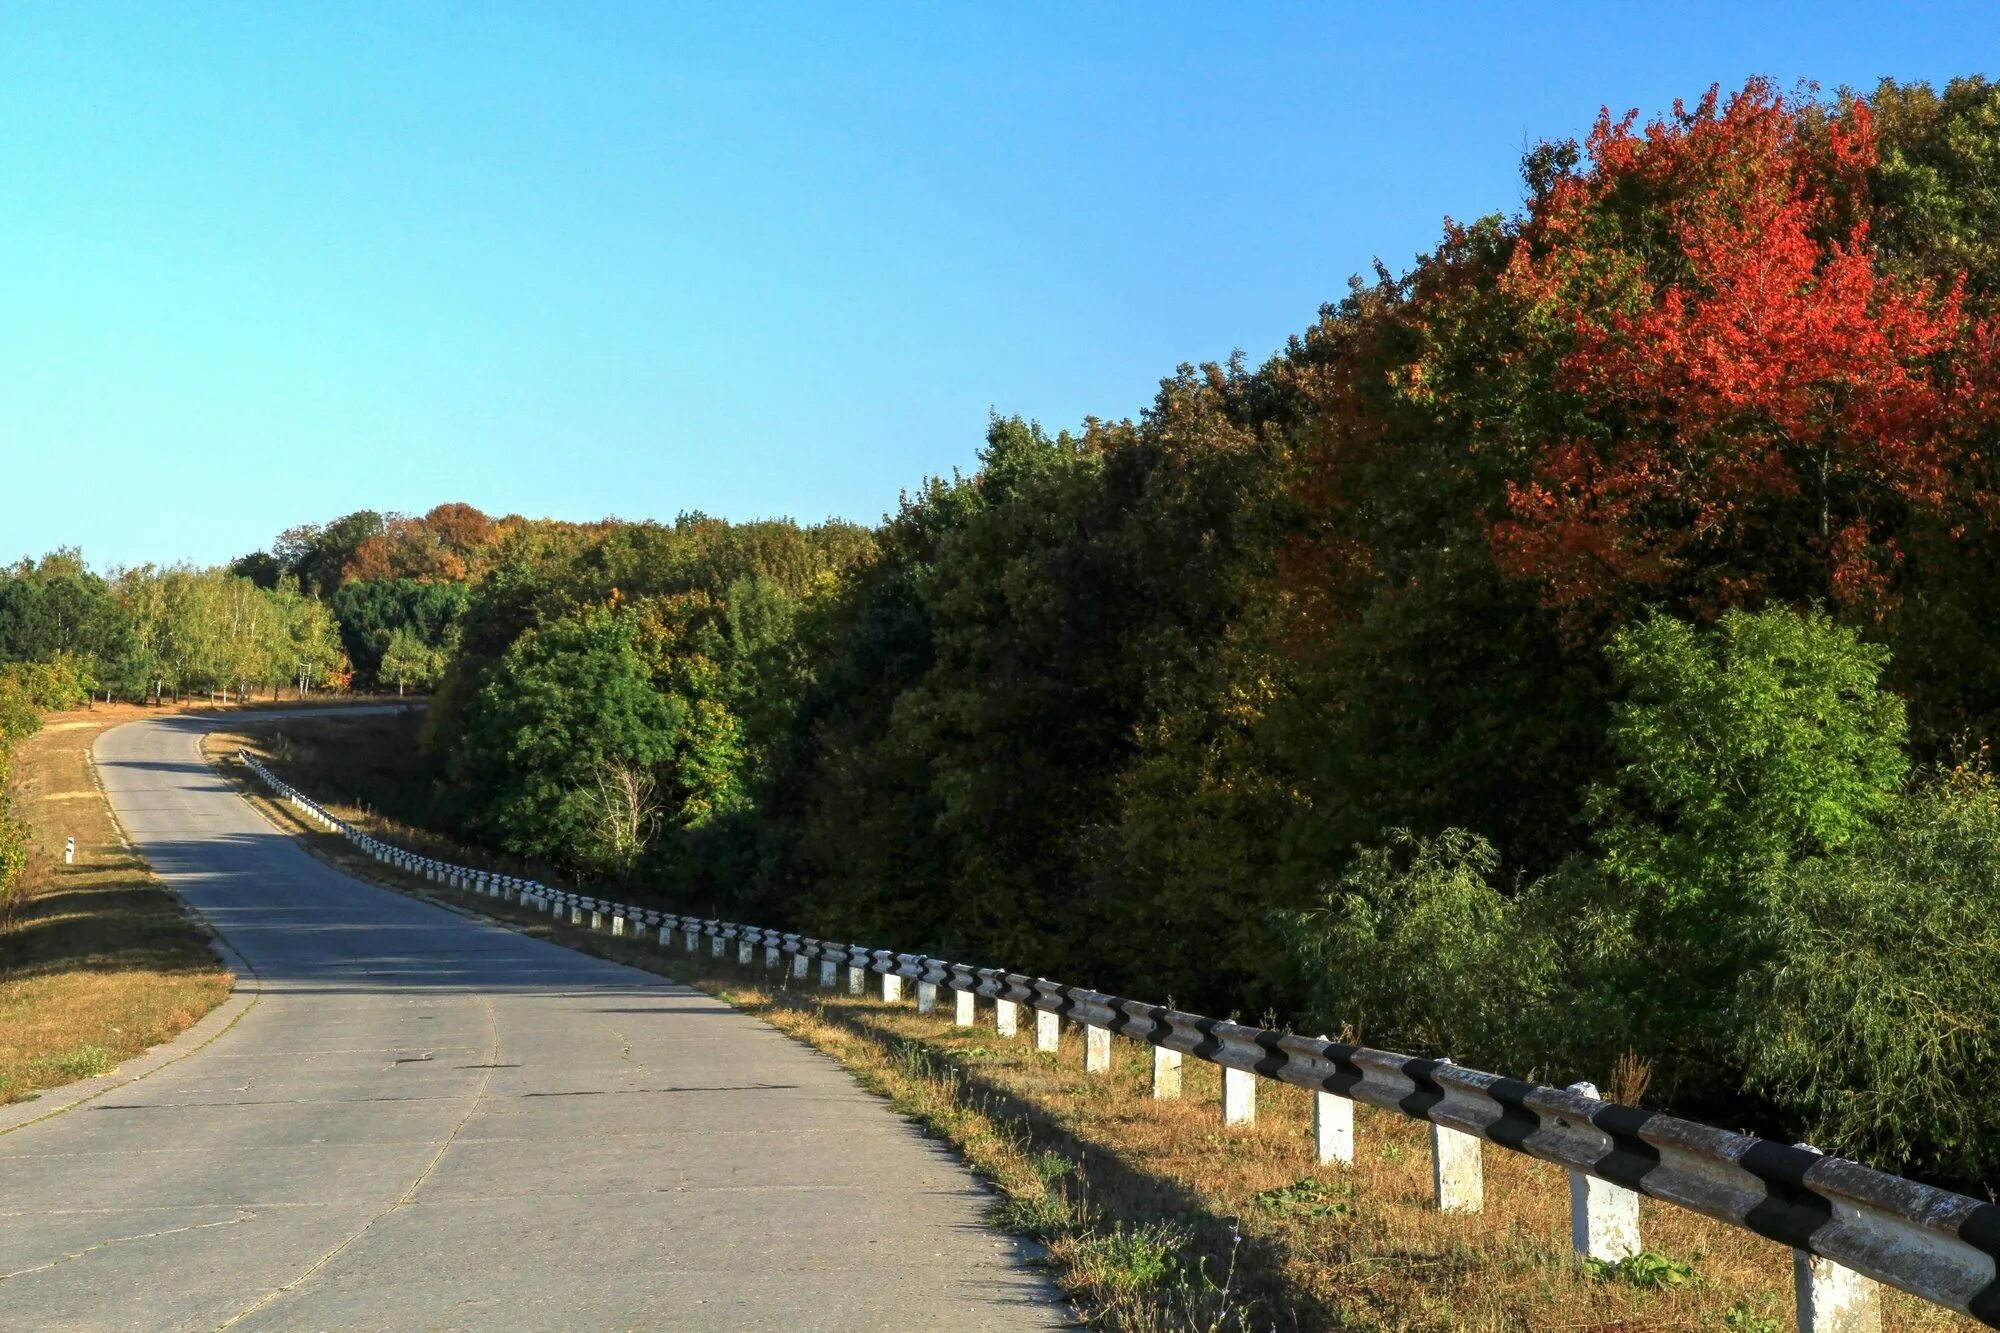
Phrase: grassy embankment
pixel 100 963
pixel 1154 1215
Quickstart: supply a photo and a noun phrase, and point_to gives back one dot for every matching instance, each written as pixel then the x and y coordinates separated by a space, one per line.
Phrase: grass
pixel 1154 1216
pixel 99 963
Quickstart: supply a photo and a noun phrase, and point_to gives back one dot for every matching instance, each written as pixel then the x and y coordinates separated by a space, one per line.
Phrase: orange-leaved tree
pixel 1765 408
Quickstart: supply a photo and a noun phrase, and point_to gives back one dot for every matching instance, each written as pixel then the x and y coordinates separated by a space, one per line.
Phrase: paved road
pixel 425 1122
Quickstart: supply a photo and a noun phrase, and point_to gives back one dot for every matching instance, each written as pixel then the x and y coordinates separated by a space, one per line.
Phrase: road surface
pixel 421 1121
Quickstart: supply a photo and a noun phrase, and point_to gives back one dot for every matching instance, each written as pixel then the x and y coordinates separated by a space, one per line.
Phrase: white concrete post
pixel 1239 1096
pixel 693 941
pixel 1048 1031
pixel 744 948
pixel 1603 1217
pixel 596 919
pixel 1166 1072
pixel 798 967
pixel 575 916
pixel 829 972
pixel 926 997
pixel 965 1008
pixel 892 988
pixel 69 851
pixel 1333 1128
pixel 770 955
pixel 666 935
pixel 617 925
pixel 1833 1298
pixel 1006 1018
pixel 716 946
pixel 1096 1050
pixel 857 980
pixel 1457 1180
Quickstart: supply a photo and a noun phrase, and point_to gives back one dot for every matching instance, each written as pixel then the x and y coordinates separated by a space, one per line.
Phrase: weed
pixel 79 1062
pixel 1131 1259
pixel 1648 1269
pixel 1309 1197
pixel 1743 1317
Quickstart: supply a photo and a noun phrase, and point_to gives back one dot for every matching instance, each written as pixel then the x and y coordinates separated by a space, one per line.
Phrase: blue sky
pixel 263 264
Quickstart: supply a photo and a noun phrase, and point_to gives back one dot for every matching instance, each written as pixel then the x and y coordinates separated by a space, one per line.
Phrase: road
pixel 424 1121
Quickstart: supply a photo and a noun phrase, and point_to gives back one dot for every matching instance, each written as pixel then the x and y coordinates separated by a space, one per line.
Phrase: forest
pixel 1577 654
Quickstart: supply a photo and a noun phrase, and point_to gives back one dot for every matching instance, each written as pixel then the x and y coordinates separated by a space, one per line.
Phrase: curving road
pixel 422 1121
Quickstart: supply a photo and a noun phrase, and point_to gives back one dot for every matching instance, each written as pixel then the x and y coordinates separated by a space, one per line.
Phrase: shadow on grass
pixel 1112 1191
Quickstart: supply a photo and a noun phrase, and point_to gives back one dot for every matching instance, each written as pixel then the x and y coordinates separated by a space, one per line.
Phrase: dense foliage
pixel 1576 652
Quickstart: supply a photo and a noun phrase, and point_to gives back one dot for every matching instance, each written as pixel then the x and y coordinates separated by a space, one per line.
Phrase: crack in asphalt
pixel 241 1217
pixel 409 1195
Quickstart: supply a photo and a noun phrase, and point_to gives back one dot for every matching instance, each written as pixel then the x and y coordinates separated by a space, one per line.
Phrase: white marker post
pixel 1603 1218
pixel 1239 1096
pixel 69 851
pixel 1457 1178
pixel 1833 1298
pixel 1166 1073
pixel 1333 1126
pixel 1096 1050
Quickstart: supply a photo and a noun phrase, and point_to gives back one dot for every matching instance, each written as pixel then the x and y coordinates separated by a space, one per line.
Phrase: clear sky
pixel 263 264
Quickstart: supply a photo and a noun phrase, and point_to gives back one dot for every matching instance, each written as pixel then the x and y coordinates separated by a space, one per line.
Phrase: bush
pixel 1414 949
pixel 1877 1019
pixel 65 681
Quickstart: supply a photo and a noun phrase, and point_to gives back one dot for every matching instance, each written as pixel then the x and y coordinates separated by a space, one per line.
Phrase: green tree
pixel 1743 748
pixel 408 661
pixel 566 700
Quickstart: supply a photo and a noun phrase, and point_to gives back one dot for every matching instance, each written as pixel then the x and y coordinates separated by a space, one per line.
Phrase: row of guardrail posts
pixel 1604 1217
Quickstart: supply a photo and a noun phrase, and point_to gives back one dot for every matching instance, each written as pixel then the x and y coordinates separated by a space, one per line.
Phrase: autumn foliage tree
pixel 1764 404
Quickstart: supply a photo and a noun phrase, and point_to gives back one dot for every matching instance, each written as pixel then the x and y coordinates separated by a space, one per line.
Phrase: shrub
pixel 1877 1019
pixel 64 681
pixel 1413 948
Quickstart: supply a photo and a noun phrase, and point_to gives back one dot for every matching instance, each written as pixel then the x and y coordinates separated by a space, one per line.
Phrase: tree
pixel 58 607
pixel 624 805
pixel 1765 400
pixel 369 613
pixel 1744 747
pixel 408 660
pixel 566 698
pixel 318 555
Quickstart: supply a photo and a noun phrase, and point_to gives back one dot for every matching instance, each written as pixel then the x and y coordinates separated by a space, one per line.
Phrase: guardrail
pixel 1849 1226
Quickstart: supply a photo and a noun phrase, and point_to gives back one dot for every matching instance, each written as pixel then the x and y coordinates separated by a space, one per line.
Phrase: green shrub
pixel 64 681
pixel 1414 948
pixel 1877 1019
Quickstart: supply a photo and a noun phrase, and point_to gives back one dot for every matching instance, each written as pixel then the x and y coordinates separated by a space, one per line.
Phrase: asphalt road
pixel 420 1121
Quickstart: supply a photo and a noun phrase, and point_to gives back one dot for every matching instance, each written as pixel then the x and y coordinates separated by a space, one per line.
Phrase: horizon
pixel 267 269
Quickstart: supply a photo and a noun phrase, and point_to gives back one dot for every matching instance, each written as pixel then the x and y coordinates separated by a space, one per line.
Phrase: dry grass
pixel 100 963
pixel 1157 1217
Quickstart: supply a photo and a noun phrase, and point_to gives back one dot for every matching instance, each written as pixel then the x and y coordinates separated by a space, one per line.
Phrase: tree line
pixel 1575 654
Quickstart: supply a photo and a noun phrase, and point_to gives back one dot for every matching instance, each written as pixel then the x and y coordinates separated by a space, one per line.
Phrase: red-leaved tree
pixel 1767 409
